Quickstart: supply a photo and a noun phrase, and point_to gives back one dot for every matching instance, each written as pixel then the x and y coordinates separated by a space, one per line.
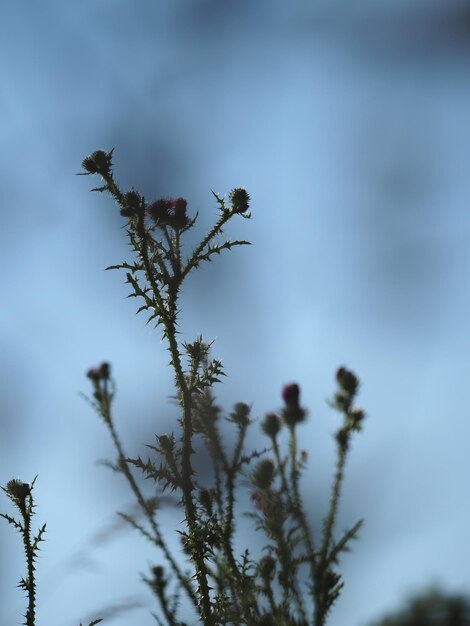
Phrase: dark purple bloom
pixel 291 395
pixel 169 212
pixel 160 210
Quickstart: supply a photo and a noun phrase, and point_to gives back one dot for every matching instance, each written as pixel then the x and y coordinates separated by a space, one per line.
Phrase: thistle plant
pixel 21 495
pixel 294 581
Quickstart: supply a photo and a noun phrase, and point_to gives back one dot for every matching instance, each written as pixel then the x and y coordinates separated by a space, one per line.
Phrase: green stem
pixel 298 510
pixel 217 228
pixel 147 510
pixel 31 612
pixel 187 484
pixel 321 608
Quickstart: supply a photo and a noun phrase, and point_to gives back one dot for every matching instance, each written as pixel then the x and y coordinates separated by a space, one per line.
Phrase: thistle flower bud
pixel 158 572
pixel 291 395
pixel 160 210
pixel 179 219
pixel 100 162
pixel 93 374
pixel 292 413
pixel 347 380
pixel 241 414
pixel 357 416
pixel 263 474
pixel 18 491
pixel 131 203
pixel 239 200
pixel 267 567
pixel 271 425
pixel 331 579
pixel 102 372
pixel 166 443
pixel 205 499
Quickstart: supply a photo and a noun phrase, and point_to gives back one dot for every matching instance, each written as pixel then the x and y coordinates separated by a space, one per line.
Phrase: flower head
pixel 291 395
pixel 347 380
pixel 271 425
pixel 18 491
pixel 131 204
pixel 100 162
pixel 292 413
pixel 239 200
pixel 169 212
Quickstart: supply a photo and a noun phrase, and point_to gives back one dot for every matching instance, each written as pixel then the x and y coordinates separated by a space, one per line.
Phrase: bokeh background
pixel 349 124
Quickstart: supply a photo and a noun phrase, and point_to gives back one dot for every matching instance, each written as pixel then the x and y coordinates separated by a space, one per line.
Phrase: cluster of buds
pixel 100 377
pixel 169 212
pixel 348 384
pixel 97 374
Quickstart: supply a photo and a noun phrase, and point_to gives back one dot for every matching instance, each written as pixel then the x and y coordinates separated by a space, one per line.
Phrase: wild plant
pixel 294 579
pixel 21 496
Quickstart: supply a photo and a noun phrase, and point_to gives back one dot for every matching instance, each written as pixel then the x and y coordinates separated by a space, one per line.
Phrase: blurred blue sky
pixel 349 124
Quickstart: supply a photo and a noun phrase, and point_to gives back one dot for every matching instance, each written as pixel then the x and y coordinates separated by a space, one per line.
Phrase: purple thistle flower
pixel 291 395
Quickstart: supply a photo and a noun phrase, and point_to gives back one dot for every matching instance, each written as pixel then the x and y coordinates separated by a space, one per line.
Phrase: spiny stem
pixel 148 512
pixel 187 485
pixel 31 612
pixel 298 511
